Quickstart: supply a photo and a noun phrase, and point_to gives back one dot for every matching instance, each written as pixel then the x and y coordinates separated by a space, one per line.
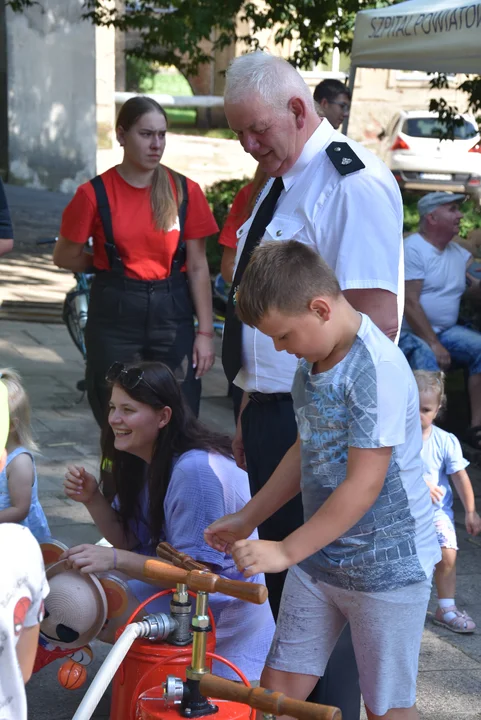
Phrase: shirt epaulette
pixel 344 158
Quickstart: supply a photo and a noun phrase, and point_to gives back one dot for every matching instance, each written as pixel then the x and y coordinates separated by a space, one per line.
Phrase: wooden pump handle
pixel 275 703
pixel 200 580
pixel 166 552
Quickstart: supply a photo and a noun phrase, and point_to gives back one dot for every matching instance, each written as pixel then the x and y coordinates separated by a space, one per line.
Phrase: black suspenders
pixel 115 261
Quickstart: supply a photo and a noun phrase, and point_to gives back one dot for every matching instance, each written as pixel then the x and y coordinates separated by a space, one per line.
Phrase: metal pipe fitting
pixel 158 626
pixel 180 609
pixel 200 627
pixel 173 690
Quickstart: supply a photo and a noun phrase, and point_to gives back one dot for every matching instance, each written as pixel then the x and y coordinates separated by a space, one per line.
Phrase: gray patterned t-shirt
pixel 368 400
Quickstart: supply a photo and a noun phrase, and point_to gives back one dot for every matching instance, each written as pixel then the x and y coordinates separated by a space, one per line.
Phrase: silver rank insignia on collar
pixel 344 158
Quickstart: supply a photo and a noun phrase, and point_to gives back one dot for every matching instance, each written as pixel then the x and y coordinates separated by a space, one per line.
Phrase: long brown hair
pixel 164 205
pixel 158 388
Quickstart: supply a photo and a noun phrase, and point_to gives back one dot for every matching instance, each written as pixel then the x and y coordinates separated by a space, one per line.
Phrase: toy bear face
pixel 72 608
pixel 81 606
pixel 75 608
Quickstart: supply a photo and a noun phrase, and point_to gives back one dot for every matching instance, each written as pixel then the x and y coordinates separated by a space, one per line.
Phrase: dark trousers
pixel 132 320
pixel 268 431
pixel 236 393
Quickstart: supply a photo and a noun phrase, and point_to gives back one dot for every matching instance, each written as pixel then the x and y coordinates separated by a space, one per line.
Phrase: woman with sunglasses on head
pixel 173 478
pixel 148 226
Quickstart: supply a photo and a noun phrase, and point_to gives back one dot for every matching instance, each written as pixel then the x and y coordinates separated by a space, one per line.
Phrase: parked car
pixel 413 148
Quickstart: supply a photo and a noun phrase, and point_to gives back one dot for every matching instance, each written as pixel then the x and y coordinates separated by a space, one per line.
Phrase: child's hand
pixel 223 533
pixel 435 491
pixel 473 523
pixel 90 558
pixel 257 556
pixel 80 485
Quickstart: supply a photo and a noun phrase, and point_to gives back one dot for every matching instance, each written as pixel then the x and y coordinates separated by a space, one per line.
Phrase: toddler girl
pixel 443 461
pixel 19 501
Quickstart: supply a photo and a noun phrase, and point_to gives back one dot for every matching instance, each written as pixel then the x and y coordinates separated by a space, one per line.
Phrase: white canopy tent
pixel 431 35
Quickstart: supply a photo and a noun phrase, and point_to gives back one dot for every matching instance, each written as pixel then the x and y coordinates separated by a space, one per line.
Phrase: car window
pixel 429 127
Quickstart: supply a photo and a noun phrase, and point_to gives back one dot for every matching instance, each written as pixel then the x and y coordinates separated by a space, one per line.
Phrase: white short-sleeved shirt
pixel 368 400
pixel 354 222
pixel 443 273
pixel 23 588
pixel 442 456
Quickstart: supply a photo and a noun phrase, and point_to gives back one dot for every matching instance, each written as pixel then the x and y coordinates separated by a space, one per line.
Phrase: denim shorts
pixel 462 343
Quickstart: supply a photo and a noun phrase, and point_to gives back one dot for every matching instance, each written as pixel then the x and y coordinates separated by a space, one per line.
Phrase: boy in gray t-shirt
pixel 367 550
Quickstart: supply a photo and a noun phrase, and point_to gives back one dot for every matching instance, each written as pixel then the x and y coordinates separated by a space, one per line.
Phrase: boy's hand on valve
pixel 223 533
pixel 259 556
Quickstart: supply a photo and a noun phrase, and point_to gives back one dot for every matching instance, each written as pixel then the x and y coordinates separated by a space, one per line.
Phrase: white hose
pixel 108 669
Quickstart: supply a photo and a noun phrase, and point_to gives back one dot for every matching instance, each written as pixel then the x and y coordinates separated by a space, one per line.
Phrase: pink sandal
pixel 462 623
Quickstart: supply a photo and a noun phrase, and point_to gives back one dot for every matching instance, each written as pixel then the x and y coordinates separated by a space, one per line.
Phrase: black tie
pixel 232 342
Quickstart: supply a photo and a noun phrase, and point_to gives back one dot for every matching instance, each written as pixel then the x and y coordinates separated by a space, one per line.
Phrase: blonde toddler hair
pixel 19 409
pixel 428 380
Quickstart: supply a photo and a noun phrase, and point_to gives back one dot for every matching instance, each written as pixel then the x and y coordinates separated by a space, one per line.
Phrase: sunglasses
pixel 129 378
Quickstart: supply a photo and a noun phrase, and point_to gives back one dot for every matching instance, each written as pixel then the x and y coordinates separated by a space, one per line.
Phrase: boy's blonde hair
pixel 428 380
pixel 19 409
pixel 283 276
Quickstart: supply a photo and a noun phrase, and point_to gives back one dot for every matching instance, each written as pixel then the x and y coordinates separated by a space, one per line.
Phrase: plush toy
pixel 80 608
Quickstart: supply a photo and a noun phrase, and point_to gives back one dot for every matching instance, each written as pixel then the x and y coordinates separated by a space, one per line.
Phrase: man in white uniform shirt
pixel 341 200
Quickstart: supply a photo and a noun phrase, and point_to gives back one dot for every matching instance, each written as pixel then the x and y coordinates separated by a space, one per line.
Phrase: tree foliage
pixel 449 114
pixel 20 5
pixel 185 33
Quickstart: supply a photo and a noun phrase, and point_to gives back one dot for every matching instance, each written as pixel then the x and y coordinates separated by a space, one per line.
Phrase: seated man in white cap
pixel 438 272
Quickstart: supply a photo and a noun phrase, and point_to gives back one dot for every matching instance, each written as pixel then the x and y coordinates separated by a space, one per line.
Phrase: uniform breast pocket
pixel 285 228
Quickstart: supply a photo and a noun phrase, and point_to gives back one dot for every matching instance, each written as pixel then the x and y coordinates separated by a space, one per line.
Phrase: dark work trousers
pixel 268 431
pixel 236 393
pixel 132 320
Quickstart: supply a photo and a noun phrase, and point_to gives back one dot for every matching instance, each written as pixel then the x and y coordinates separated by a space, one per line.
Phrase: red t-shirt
pixel 236 217
pixel 146 252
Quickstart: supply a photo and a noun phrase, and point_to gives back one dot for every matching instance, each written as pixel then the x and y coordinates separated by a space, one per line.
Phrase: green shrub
pixel 139 74
pixel 220 196
pixel 411 215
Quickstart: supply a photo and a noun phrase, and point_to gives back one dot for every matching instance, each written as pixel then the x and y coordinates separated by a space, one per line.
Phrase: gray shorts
pixel 386 630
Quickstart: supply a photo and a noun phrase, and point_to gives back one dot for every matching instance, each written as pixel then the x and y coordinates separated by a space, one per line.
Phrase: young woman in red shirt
pixel 148 226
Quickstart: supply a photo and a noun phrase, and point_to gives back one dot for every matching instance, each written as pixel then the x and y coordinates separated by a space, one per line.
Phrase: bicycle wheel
pixel 71 321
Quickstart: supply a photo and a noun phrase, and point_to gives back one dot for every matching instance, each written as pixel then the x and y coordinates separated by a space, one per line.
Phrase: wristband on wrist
pixel 115 558
pixel 207 334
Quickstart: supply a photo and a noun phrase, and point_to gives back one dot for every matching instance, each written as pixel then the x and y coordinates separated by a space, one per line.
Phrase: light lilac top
pixel 203 487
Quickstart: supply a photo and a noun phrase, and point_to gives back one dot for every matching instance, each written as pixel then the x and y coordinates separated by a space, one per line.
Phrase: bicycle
pixel 220 295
